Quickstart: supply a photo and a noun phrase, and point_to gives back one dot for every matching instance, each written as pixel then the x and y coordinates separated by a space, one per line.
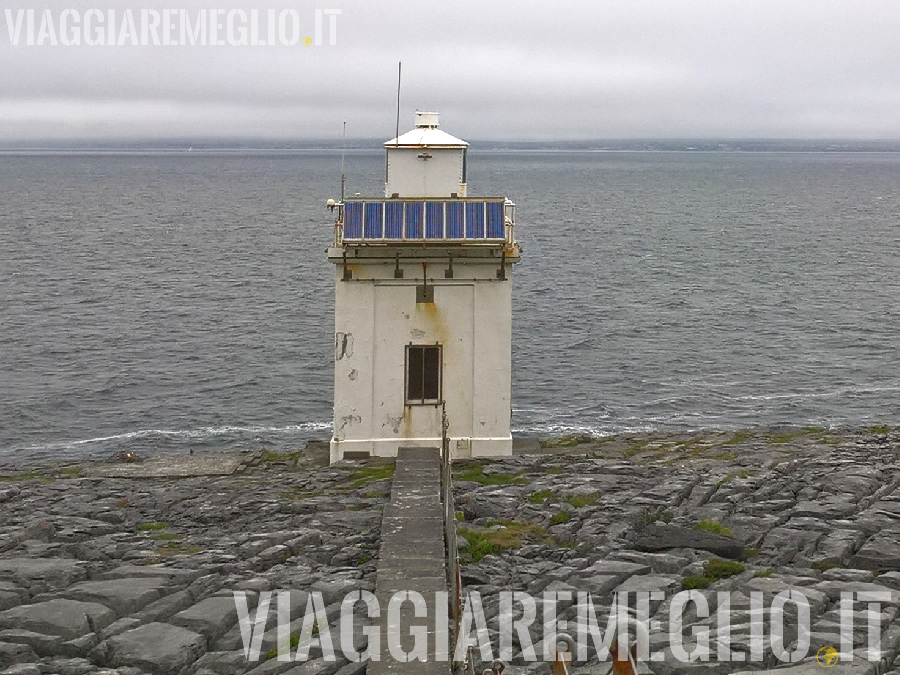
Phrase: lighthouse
pixel 423 307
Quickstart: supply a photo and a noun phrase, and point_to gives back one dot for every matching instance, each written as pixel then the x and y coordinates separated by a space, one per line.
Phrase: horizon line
pixel 249 142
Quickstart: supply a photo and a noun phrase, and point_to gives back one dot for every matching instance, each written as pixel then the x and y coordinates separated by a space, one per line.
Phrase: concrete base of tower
pixel 460 448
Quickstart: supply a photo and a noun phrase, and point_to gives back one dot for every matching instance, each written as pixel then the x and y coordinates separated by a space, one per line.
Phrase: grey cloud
pixel 614 68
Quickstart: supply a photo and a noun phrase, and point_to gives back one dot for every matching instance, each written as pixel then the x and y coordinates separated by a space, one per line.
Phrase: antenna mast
pixel 343 152
pixel 399 72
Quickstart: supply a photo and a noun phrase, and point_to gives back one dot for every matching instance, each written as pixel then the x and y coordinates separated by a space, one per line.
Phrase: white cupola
pixel 425 162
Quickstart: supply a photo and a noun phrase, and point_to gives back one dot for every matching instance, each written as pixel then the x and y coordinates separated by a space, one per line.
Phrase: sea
pixel 168 300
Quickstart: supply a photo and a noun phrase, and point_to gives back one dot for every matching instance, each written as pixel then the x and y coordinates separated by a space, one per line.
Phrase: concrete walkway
pixel 412 559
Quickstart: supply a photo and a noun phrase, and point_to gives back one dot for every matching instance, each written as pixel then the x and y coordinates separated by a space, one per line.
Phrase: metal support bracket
pixel 398 273
pixel 425 293
pixel 348 275
pixel 448 273
pixel 501 273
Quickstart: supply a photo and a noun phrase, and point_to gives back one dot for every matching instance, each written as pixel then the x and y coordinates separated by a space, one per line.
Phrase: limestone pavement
pixel 119 571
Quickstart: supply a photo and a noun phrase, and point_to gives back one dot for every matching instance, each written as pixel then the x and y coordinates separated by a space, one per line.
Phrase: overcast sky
pixel 495 70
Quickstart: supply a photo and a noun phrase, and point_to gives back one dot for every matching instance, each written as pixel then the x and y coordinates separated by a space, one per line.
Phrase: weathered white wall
pixel 410 176
pixel 376 316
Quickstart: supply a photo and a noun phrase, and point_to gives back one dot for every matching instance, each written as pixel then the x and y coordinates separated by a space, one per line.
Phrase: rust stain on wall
pixel 433 319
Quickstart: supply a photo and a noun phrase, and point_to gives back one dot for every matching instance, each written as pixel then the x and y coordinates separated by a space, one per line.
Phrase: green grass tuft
pixel 568 441
pixel 177 548
pixel 636 446
pixel 541 496
pixel 713 570
pixel 493 542
pixel 475 474
pixel 781 437
pixel 739 437
pixel 480 544
pixel 749 553
pixel 294 642
pixel 579 501
pixel 368 474
pixel 713 526
pixel 719 569
pixel 28 475
pixel 764 574
pixel 824 565
pixel 560 518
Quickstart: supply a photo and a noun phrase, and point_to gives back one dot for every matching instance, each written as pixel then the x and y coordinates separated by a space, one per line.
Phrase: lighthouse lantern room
pixel 423 307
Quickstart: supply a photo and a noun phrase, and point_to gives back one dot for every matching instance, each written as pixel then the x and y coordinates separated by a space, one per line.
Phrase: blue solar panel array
pixel 406 220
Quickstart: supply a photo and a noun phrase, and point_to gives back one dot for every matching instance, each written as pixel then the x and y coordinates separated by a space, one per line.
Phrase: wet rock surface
pixel 129 575
pixel 110 574
pixel 812 511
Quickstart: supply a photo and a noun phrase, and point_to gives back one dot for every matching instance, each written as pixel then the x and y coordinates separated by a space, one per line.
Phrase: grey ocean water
pixel 167 301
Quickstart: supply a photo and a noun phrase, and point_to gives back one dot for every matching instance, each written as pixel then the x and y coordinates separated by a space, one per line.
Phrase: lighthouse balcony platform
pixel 468 221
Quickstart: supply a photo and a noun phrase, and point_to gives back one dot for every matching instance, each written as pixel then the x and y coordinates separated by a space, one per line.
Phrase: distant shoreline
pixel 226 145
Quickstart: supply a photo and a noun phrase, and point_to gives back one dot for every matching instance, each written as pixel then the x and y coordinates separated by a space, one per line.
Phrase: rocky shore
pixel 131 567
pixel 136 574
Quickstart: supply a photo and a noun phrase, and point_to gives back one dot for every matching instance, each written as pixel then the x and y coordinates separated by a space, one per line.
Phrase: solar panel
pixel 425 219
pixel 494 220
pixel 474 220
pixel 455 224
pixel 353 212
pixel 374 225
pixel 434 220
pixel 393 220
pixel 414 219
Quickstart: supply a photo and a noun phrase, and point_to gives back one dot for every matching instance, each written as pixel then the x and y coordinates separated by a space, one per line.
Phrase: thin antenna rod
pixel 399 73
pixel 343 152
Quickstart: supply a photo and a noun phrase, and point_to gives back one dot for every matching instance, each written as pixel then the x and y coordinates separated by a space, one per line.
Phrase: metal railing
pixel 454 576
pixel 470 220
pixel 454 582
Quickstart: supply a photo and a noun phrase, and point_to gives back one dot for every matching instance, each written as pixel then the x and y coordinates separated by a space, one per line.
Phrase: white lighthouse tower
pixel 423 307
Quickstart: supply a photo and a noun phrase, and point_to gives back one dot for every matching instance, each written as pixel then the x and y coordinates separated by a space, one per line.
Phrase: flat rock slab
pixel 51 573
pixel 880 553
pixel 9 599
pixel 124 596
pixel 223 663
pixel 11 653
pixel 43 645
pixel 159 648
pixel 616 568
pixel 72 666
pixel 212 617
pixel 171 466
pixel 176 576
pixel 63 618
pixel 650 583
pixel 656 537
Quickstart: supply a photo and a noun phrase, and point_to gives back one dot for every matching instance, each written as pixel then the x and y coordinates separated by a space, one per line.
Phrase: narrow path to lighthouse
pixel 412 560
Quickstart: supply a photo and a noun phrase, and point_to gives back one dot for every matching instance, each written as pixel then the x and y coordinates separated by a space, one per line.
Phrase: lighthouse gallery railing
pixel 476 220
